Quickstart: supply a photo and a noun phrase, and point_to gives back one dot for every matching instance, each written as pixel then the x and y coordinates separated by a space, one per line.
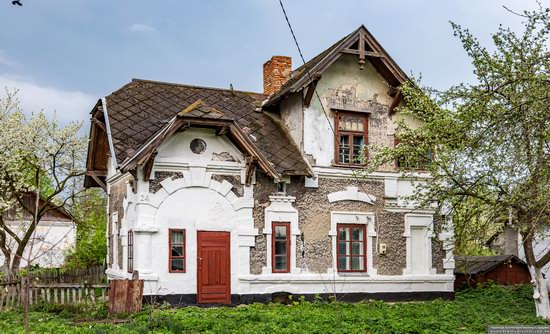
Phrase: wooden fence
pixel 125 296
pixel 13 294
pixel 95 274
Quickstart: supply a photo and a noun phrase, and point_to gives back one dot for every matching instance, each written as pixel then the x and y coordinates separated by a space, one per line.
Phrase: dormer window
pixel 351 137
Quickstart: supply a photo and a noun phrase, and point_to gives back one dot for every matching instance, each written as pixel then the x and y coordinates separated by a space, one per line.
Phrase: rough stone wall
pixel 438 254
pixel 262 189
pixel 154 185
pixel 234 180
pixel 117 193
pixel 391 227
pixel 314 253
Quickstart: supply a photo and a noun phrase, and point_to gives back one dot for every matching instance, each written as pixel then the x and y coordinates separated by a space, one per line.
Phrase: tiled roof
pixel 301 76
pixel 475 265
pixel 141 108
pixel 302 71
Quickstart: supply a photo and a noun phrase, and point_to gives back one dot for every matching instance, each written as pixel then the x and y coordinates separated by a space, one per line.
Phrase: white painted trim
pixel 351 194
pixel 419 220
pixel 447 237
pixel 361 218
pixel 410 210
pixel 348 173
pixel 330 283
pixel 147 229
pixel 216 167
pixel 115 235
pixel 281 210
pixel 109 136
pixel 311 182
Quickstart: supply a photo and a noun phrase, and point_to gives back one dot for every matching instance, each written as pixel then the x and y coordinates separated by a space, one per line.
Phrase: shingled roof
pixel 476 265
pixel 377 56
pixel 141 108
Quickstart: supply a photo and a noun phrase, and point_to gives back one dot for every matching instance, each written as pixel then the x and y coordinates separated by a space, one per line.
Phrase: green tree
pixel 39 156
pixel 491 138
pixel 91 219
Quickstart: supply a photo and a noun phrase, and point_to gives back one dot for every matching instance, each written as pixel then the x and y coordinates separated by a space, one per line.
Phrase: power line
pixel 308 73
pixel 360 184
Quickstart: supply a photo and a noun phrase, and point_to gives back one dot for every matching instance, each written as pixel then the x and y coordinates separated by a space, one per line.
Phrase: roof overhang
pixel 361 43
pixel 145 155
pixel 98 156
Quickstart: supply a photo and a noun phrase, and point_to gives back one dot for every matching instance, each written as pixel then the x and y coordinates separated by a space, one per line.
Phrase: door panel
pixel 214 269
pixel 418 250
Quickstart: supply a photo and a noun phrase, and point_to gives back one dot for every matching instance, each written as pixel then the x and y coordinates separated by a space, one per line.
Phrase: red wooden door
pixel 213 268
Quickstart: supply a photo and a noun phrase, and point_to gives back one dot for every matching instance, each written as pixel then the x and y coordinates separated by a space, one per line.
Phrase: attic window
pixel 197 146
pixel 351 138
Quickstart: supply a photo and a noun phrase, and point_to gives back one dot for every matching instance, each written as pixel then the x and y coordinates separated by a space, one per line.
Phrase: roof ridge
pixel 193 86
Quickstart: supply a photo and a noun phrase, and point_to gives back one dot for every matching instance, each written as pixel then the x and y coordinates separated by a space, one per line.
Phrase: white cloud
pixel 142 28
pixel 68 106
pixel 5 61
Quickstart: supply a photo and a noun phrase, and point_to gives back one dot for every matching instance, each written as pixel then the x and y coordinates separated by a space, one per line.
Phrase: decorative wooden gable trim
pixel 362 43
pixel 99 152
pixel 146 154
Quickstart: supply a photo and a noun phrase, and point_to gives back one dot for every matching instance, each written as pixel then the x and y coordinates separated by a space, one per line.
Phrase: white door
pixel 419 250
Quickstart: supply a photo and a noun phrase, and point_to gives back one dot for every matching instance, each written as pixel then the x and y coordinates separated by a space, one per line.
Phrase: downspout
pixel 108 126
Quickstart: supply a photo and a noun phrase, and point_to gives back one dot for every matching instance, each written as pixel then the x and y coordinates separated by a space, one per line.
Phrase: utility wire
pixel 360 184
pixel 307 71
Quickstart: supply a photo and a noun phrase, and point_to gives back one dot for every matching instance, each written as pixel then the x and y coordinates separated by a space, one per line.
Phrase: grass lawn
pixel 471 312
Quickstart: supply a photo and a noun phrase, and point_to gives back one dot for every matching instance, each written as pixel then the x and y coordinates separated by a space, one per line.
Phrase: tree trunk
pixel 540 293
pixel 6 251
pixel 540 289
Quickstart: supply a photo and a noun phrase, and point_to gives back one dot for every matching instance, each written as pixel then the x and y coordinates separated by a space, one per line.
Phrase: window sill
pixel 354 274
pixel 350 166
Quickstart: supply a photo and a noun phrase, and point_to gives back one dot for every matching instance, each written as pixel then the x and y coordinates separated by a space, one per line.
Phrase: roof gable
pixel 477 265
pixel 361 43
pixel 143 110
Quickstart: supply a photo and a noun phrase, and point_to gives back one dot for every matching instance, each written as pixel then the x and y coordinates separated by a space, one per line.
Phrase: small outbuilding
pixel 502 269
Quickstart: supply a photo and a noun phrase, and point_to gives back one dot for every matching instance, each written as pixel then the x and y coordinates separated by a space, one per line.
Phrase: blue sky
pixel 65 54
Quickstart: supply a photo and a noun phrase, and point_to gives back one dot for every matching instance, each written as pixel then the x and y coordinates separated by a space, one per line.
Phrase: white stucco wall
pixel 292 113
pixel 195 202
pixel 52 240
pixel 343 74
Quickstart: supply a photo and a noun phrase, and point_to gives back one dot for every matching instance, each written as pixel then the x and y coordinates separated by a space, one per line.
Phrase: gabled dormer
pixel 339 101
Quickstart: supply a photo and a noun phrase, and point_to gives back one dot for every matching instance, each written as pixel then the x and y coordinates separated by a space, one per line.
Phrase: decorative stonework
pixel 148 204
pixel 361 218
pixel 351 194
pixel 154 184
pixel 281 210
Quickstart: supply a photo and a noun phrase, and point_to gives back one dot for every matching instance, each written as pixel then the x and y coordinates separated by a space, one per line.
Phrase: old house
pixel 224 196
pixel 54 236
pixel 501 269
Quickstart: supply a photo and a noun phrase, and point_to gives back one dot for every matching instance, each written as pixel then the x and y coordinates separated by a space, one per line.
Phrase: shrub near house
pixel 224 196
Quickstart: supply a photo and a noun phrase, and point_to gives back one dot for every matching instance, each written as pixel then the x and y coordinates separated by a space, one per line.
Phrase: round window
pixel 198 146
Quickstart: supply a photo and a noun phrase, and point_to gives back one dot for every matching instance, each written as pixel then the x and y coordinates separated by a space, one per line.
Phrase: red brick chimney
pixel 277 71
